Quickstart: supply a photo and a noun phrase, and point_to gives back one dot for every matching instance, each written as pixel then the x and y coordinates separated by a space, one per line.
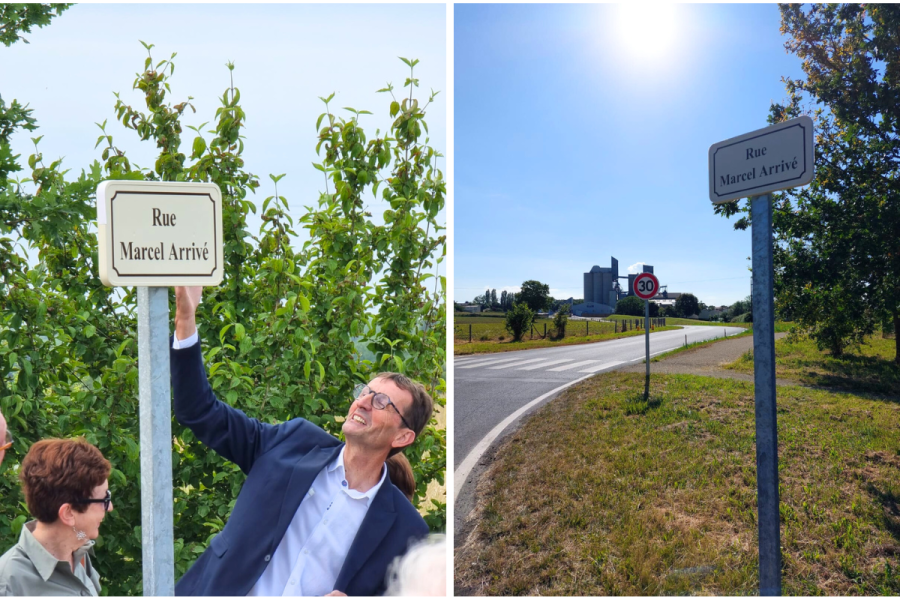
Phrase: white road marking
pixel 462 472
pixel 574 365
pixel 516 364
pixel 601 367
pixel 492 361
pixel 546 364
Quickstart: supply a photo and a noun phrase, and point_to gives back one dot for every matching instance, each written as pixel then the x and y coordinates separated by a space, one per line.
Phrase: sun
pixel 646 31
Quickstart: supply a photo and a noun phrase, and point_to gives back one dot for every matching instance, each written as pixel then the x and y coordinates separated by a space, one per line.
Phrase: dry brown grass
pixel 601 494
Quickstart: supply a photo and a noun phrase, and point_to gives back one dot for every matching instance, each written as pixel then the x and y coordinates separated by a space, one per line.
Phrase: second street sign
pixel 159 234
pixel 762 161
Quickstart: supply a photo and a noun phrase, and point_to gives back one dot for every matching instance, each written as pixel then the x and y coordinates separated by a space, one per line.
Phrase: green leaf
pixel 304 302
pixel 199 147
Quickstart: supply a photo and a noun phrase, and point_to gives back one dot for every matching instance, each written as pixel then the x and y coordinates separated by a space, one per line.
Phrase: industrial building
pixel 602 289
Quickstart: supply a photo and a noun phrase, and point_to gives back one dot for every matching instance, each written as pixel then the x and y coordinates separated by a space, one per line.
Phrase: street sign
pixel 159 234
pixel 753 165
pixel 646 285
pixel 762 161
pixel 155 235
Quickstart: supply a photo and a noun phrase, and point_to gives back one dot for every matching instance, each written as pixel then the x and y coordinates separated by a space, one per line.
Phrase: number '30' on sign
pixel 646 285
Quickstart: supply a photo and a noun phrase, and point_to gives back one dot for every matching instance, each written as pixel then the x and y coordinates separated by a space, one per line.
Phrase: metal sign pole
pixel 764 383
pixel 157 535
pixel 647 344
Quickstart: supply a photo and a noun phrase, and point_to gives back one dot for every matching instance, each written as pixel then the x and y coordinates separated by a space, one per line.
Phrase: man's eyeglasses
pixel 379 400
pixel 107 500
pixel 7 442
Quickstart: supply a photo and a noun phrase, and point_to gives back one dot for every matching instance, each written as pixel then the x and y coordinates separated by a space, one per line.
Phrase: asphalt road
pixel 489 389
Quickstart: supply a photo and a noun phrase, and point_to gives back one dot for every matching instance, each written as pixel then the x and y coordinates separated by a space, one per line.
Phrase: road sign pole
pixel 764 383
pixel 647 344
pixel 157 534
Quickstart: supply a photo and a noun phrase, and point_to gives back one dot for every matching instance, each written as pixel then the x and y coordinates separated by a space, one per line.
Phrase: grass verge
pixel 869 369
pixel 601 493
pixel 697 345
pixel 464 349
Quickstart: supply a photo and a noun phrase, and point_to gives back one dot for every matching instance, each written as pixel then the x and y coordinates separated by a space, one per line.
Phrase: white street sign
pixel 159 234
pixel 762 161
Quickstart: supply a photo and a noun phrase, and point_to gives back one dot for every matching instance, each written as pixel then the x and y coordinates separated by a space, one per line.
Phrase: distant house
pixel 471 308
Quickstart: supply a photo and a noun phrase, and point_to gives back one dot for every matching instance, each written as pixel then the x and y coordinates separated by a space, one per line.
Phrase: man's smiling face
pixel 379 429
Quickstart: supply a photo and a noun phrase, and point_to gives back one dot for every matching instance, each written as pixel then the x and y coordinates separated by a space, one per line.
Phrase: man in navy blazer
pixel 315 515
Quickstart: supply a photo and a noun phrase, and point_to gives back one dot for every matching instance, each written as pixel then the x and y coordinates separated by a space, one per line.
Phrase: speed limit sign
pixel 646 285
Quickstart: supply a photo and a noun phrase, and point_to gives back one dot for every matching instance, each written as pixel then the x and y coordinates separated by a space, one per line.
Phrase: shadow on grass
pixel 638 405
pixel 859 373
pixel 890 502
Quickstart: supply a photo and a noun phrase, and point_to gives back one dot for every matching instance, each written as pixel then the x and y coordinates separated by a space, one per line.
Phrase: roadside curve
pixel 493 392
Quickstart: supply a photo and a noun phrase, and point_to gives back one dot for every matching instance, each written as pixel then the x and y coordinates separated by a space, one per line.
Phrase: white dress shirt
pixel 309 557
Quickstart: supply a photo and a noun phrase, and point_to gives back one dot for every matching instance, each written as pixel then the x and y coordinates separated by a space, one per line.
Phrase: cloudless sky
pixel 581 132
pixel 286 56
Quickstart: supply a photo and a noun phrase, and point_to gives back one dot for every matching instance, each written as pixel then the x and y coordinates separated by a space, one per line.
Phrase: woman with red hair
pixel 67 492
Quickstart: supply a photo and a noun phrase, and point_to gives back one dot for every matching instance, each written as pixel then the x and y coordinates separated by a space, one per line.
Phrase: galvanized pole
pixel 764 383
pixel 157 538
pixel 647 339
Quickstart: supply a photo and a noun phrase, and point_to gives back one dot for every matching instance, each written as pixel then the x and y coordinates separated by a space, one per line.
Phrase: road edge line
pixel 461 474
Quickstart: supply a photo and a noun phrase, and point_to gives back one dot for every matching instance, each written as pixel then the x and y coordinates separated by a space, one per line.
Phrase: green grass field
pixel 867 369
pixel 601 493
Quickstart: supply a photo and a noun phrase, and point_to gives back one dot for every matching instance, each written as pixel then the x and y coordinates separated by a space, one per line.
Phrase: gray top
pixel 27 569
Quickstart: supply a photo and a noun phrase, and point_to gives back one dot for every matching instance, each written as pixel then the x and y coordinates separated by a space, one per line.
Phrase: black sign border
pixel 112 233
pixel 800 176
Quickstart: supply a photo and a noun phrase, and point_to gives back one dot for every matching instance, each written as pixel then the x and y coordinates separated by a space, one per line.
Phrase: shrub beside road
pixel 600 493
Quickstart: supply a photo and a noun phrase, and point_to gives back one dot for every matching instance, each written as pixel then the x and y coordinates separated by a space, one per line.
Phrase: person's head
pixel 422 571
pixel 5 441
pixel 388 413
pixel 65 484
pixel 401 474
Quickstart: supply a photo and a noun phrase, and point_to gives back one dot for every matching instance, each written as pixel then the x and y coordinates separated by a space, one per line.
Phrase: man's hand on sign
pixel 187 299
pixel 336 593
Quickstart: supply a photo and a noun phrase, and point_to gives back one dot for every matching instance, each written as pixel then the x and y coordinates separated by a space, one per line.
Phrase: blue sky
pixel 581 132
pixel 286 56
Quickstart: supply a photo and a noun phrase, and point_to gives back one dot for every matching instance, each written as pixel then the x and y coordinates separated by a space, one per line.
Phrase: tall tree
pixel 493 297
pixel 503 295
pixel 535 294
pixel 837 256
pixel 687 305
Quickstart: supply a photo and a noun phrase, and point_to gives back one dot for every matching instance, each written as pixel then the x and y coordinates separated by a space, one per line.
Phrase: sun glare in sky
pixel 646 32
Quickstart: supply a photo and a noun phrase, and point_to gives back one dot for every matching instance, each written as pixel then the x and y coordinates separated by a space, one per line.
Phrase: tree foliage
pixel 687 305
pixel 535 294
pixel 15 18
pixel 630 305
pixel 518 320
pixel 561 320
pixel 289 333
pixel 837 259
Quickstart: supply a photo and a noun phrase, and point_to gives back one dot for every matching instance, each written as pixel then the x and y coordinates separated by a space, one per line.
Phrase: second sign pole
pixel 647 346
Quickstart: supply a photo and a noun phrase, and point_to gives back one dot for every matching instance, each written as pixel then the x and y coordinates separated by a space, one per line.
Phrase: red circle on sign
pixel 644 291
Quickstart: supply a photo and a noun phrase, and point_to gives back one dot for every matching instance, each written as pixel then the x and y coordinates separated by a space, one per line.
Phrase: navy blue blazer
pixel 281 462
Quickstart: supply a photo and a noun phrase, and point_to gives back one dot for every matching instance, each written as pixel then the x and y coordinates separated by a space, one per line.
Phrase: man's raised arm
pixel 226 430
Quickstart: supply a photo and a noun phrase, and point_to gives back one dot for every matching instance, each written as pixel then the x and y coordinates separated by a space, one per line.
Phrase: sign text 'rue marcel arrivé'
pixel 159 234
pixel 762 161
